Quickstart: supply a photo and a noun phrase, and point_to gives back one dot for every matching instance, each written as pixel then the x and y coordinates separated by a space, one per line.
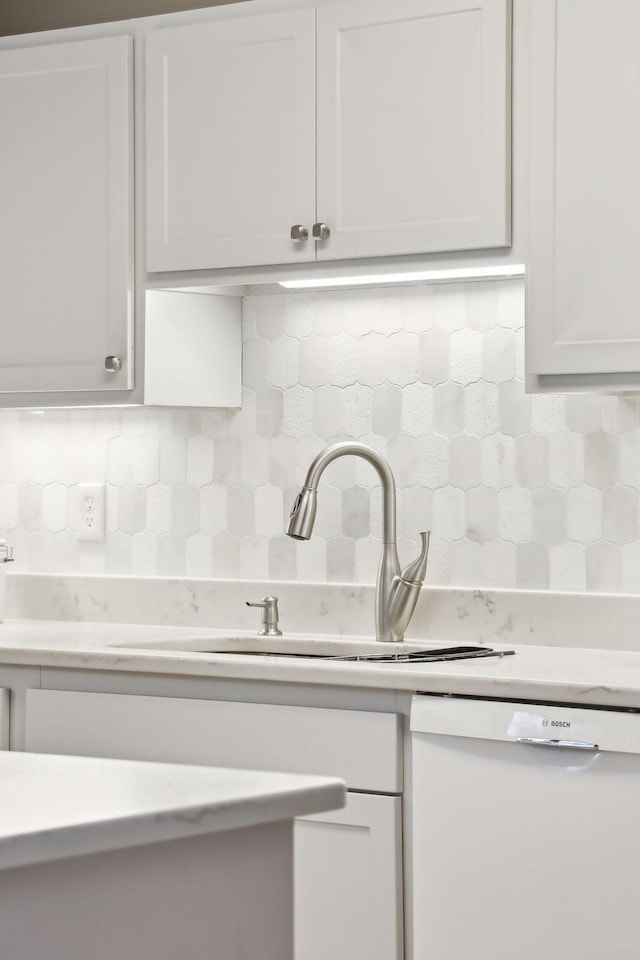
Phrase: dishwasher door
pixel 526 831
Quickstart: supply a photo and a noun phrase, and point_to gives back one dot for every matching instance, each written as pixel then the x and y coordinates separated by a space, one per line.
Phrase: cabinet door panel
pixel 230 141
pixel 584 187
pixel 66 224
pixel 413 126
pixel 348 881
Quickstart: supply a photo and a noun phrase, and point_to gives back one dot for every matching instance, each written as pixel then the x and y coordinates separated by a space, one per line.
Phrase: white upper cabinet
pixel 413 126
pixel 66 220
pixel 230 141
pixel 582 292
pixel 411 118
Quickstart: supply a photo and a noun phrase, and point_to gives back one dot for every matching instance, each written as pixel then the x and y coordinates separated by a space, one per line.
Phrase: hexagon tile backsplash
pixel 519 491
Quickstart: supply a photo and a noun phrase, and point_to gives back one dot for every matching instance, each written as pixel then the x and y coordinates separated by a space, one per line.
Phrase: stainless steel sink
pixel 327 650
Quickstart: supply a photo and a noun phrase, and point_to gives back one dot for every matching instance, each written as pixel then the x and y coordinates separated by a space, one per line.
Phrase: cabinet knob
pixel 113 364
pixel 299 233
pixel 321 231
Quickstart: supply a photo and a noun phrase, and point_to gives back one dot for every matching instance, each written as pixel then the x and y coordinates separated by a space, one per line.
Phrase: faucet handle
pixel 415 571
pixel 269 607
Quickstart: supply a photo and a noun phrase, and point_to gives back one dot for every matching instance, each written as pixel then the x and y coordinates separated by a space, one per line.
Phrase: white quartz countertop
pixel 535 672
pixel 54 807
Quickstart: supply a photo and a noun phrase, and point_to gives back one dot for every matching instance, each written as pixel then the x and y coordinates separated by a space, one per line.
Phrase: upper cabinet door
pixel 414 126
pixel 582 292
pixel 66 216
pixel 231 142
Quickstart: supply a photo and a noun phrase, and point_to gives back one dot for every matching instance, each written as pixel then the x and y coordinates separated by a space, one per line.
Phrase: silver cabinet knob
pixel 113 364
pixel 299 233
pixel 321 231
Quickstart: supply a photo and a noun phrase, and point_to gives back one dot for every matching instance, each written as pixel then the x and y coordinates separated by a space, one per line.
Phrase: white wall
pixel 539 492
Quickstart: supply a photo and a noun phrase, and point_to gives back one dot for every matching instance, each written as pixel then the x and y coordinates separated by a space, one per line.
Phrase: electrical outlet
pixel 91 511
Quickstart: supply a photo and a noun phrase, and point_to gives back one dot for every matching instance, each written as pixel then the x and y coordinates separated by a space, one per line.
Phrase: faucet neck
pixel 326 456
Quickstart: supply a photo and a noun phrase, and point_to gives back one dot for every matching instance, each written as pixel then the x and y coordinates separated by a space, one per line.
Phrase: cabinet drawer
pixel 364 749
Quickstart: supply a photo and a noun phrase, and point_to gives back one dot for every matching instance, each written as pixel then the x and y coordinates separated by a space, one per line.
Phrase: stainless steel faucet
pixel 396 592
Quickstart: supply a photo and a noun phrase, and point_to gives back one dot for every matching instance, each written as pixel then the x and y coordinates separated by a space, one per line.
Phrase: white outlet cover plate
pixel 90 511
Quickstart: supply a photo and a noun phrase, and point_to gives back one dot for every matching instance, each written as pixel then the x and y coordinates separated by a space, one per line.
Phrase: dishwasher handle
pixel 546 742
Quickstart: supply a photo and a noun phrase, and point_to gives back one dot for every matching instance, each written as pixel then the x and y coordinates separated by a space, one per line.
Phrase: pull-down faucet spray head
pixel 303 514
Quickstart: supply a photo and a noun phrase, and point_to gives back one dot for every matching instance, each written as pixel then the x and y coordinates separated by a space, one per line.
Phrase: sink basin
pixel 331 650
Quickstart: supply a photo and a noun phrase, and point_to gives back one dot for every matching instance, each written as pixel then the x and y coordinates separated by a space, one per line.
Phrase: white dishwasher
pixel 526 831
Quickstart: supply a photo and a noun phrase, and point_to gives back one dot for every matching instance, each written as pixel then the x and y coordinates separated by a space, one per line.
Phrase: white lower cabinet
pixel 348 883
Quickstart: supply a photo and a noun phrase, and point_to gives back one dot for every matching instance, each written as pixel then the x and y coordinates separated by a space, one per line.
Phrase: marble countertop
pixel 536 672
pixel 54 807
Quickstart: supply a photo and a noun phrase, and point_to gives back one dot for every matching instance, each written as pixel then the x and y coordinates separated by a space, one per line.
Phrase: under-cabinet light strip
pixel 427 276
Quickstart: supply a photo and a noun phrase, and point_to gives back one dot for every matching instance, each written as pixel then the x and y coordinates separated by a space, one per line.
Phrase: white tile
pixel 200 454
pixel 584 514
pixel 254 461
pixel 465 563
pixel 481 409
pixel 514 408
pixel 55 507
pixel 372 359
pixel 620 515
pixel 602 562
pixel 630 458
pixel 226 556
pixel 386 410
pixel 173 461
pixel 532 566
pixel 241 511
pixel 515 514
pixel 499 566
pixel 255 363
pixel 133 509
pixel 465 454
pixel 213 509
pixel 498 355
pixel 547 413
pixel 532 461
pixel 583 413
pixel 313 361
pixel 270 316
pixel 356 411
pixel 601 459
pixel 343 360
pixel 498 461
pixel 433 357
pixel 297 412
pixel 254 558
pixel 481 514
pixel 283 362
pixel 630 567
pixel 356 513
pixel 432 467
pixel 549 508
pixel 465 356
pixel 402 453
pixel 186 510
pixel 341 560
pixel 448 409
pixel 567 567
pixel 402 357
pixel 144 555
pixel 327 411
pixel 198 556
pixel 566 459
pixel 159 516
pixel 448 514
pixel 417 409
pixel 268 511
